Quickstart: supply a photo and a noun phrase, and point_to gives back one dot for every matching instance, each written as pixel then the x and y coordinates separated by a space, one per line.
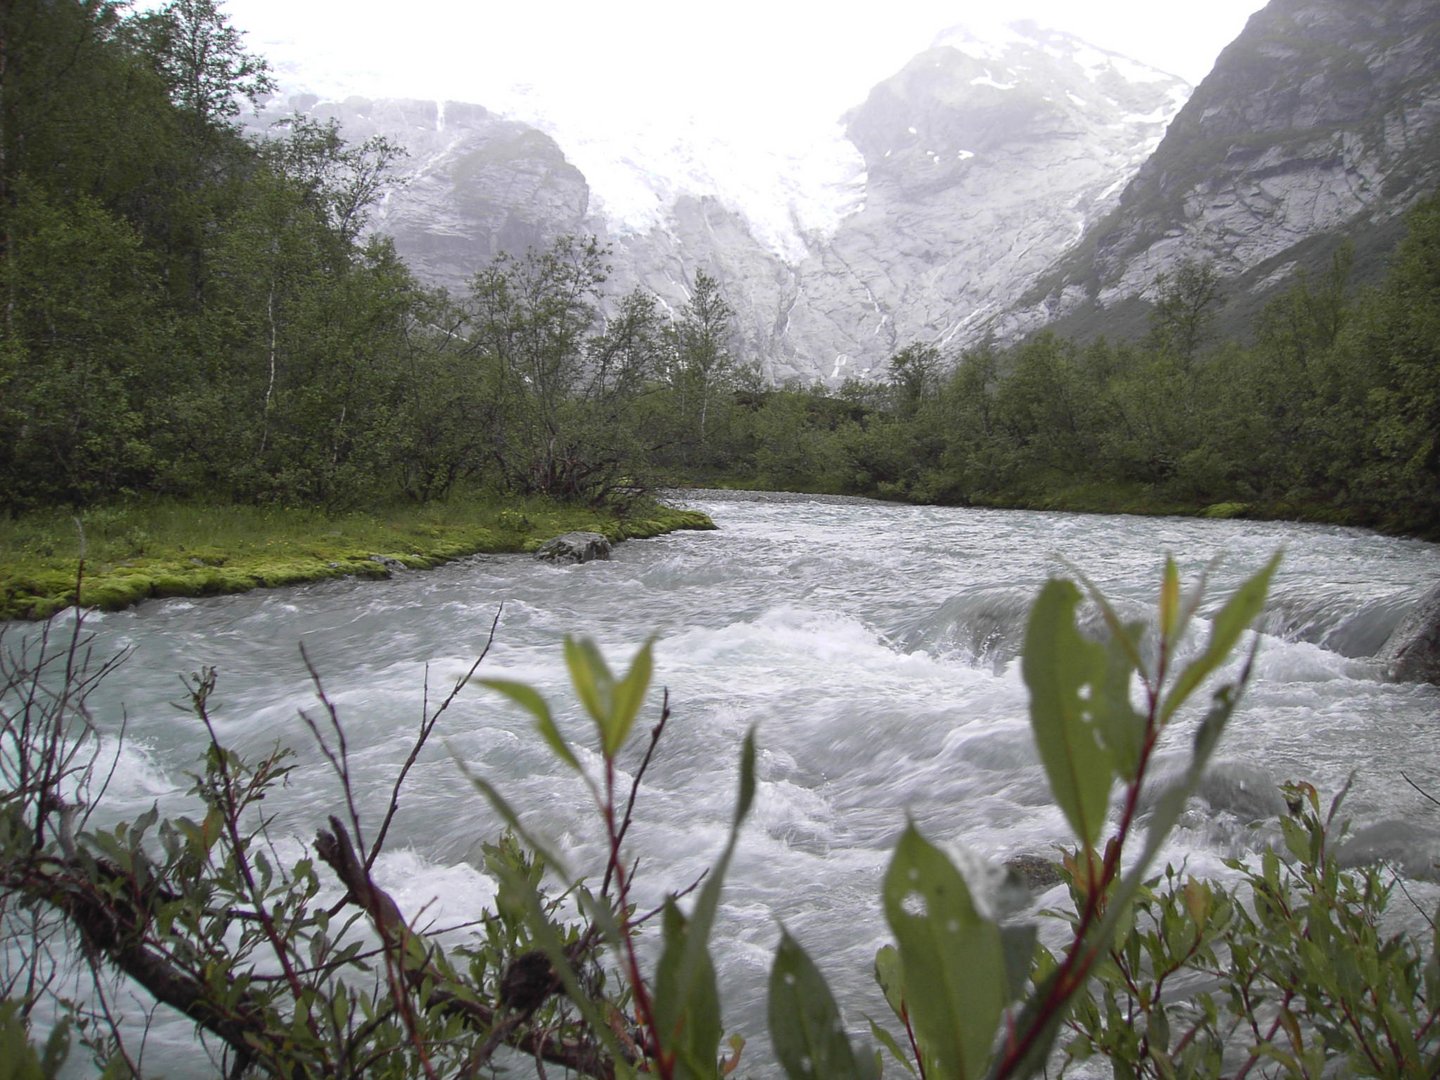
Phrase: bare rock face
pixel 985 163
pixel 1321 119
pixel 474 185
pixel 1413 651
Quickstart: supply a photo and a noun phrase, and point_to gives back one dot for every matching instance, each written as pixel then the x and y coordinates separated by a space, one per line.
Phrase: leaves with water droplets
pixel 951 957
pixel 805 1026
pixel 1065 672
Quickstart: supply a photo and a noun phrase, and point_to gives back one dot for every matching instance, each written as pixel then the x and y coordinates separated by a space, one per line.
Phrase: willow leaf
pixel 805 1026
pixel 591 677
pixel 1063 671
pixel 951 956
pixel 687 1004
pixel 629 695
pixel 1232 620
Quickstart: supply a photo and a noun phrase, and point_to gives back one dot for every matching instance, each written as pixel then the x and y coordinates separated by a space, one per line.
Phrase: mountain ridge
pixel 952 156
pixel 998 186
pixel 1319 125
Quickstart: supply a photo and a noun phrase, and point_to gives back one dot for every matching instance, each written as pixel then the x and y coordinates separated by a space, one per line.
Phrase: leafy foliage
pixel 1327 413
pixel 1298 979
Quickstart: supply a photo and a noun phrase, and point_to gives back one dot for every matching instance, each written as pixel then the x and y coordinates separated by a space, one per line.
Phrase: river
pixel 871 646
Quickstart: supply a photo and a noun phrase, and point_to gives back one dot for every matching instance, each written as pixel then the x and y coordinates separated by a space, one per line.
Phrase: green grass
pixel 156 548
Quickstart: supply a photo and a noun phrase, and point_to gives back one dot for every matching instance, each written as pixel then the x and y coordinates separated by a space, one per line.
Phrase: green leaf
pixel 1225 629
pixel 951 957
pixel 629 697
pixel 593 682
pixel 1063 671
pixel 18 1060
pixel 1170 600
pixel 805 1025
pixel 529 699
pixel 885 1039
pixel 746 797
pixel 509 815
pixel 57 1048
pixel 1121 727
pixel 1119 909
pixel 545 935
pixel 612 705
pixel 687 1005
pixel 891 979
pixel 1018 944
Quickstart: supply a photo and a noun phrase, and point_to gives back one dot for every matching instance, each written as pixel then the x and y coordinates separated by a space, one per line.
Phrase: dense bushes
pixel 188 309
pixel 1329 412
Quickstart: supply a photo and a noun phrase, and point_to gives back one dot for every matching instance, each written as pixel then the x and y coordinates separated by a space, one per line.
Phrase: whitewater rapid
pixel 872 647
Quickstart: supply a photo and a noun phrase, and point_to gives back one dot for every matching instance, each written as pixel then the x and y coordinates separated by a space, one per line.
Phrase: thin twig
pixel 1424 794
pixel 655 733
pixel 427 725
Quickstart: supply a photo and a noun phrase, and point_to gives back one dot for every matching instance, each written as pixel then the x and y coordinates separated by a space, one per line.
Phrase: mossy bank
pixel 149 549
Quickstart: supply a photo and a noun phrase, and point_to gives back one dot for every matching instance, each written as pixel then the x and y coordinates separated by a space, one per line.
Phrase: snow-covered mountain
pixel 918 215
pixel 985 160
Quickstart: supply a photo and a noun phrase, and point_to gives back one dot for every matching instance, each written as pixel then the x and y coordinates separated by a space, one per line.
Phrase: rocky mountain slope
pixel 1320 122
pixel 984 162
pixel 951 188
pixel 988 188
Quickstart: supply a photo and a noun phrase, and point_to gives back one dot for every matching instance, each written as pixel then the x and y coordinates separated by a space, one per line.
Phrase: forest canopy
pixel 192 309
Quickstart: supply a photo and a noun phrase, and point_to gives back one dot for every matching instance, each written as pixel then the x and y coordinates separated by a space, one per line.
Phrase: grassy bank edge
pixel 140 552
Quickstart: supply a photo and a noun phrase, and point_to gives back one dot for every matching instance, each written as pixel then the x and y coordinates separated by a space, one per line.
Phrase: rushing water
pixel 872 647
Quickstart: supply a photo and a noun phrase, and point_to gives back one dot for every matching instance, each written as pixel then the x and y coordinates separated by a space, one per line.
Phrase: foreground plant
pixel 1292 974
pixel 204 913
pixel 976 998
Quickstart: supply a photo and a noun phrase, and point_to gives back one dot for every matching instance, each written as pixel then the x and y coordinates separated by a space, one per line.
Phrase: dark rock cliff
pixel 1321 121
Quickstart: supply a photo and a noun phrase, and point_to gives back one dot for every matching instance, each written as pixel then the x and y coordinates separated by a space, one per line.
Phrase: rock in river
pixel 1413 650
pixel 575 547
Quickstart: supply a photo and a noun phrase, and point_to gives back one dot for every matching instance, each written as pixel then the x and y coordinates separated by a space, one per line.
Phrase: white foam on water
pixel 813 622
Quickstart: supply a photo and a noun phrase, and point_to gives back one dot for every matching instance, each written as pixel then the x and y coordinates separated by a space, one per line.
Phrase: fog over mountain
pixel 997 181
pixel 919 215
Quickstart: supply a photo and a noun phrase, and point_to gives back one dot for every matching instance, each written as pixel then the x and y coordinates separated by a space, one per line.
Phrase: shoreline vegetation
pixel 158 548
pixel 154 549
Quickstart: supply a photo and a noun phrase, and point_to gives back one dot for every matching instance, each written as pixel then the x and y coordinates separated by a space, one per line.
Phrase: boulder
pixel 1401 843
pixel 574 547
pixel 1412 652
pixel 388 563
pixel 1036 872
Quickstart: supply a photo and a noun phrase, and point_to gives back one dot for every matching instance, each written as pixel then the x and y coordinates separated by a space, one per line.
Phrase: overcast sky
pixel 668 56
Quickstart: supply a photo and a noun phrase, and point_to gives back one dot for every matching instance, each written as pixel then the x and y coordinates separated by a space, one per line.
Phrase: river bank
pixel 160 548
